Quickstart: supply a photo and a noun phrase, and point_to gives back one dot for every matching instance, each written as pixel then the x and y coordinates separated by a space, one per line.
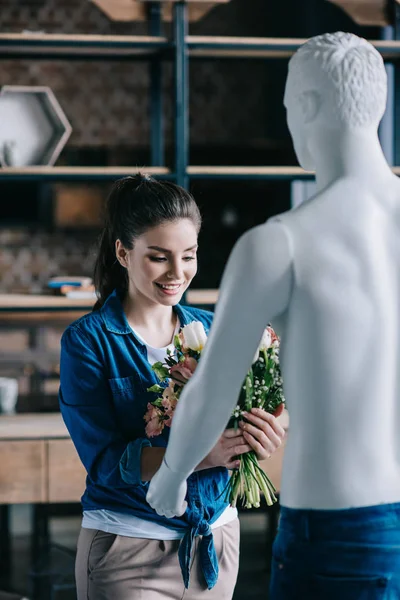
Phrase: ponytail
pixel 109 274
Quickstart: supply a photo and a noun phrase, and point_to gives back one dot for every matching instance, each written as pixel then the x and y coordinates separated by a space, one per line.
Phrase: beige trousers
pixel 116 567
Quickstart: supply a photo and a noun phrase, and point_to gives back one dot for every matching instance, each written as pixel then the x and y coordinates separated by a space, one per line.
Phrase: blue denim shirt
pixel 103 397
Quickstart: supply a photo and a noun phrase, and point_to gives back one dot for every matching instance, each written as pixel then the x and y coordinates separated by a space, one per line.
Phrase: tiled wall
pixel 28 259
pixel 107 102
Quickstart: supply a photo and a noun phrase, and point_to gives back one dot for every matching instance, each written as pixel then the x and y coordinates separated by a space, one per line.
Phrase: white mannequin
pixel 327 275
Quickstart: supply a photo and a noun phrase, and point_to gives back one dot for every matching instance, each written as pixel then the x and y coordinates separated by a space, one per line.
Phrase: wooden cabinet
pixel 66 475
pixel 38 461
pixel 22 471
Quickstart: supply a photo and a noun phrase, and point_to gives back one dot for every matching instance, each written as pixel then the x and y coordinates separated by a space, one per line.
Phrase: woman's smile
pixel 169 288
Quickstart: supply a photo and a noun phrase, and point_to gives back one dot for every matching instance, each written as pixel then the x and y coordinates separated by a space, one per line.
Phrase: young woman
pixel 146 261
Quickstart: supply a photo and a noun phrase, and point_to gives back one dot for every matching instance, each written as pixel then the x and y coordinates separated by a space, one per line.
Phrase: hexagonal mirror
pixel 33 126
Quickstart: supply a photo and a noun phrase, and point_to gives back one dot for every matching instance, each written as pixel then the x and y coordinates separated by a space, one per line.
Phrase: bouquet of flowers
pixel 174 373
pixel 262 388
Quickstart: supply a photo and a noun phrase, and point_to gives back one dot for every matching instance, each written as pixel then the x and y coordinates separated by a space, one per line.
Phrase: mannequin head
pixel 336 81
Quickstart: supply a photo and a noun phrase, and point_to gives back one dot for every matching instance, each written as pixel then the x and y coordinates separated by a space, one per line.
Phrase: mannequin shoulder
pixel 271 237
pixel 264 250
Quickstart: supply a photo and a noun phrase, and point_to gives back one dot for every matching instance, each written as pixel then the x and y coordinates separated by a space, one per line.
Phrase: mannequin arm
pixel 255 288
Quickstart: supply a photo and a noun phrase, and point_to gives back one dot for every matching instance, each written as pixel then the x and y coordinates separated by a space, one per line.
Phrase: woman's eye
pixel 187 258
pixel 157 258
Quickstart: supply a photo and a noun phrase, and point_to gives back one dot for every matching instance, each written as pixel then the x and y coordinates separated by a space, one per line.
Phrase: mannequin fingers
pixel 179 511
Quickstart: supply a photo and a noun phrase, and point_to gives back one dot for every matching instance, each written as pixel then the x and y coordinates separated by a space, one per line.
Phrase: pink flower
pixel 182 372
pixel 169 400
pixel 154 427
pixel 154 420
pixel 152 412
pixel 169 403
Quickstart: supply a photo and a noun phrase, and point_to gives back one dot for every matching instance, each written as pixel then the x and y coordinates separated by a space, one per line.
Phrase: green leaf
pixel 249 390
pixel 171 362
pixel 161 371
pixel 156 388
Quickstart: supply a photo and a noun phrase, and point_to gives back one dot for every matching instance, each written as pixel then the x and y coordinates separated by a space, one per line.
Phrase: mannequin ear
pixel 310 103
pixel 121 253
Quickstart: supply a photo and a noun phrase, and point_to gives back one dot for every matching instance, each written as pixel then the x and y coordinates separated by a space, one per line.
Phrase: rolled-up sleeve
pixel 129 465
pixel 87 408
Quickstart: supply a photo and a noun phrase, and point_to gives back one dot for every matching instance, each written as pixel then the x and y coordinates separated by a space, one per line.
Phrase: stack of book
pixel 72 286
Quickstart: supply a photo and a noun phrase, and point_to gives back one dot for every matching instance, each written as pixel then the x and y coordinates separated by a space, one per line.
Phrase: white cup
pixel 8 395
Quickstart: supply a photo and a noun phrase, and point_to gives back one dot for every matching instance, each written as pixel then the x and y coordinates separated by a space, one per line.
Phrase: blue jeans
pixel 351 554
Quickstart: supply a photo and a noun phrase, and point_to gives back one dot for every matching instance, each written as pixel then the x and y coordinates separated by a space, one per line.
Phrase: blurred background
pixel 81 106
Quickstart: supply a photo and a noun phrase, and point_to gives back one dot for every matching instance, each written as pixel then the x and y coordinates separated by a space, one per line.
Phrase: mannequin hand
pixel 167 491
pixel 230 445
pixel 263 433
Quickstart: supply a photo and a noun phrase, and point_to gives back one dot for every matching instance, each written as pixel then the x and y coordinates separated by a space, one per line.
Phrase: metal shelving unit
pixel 156 48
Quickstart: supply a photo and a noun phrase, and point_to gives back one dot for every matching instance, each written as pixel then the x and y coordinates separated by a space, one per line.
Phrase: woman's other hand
pixel 230 445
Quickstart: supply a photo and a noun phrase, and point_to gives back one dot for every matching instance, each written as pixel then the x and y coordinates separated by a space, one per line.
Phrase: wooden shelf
pixel 242 47
pixel 244 172
pixel 54 45
pixel 23 308
pixel 194 172
pixel 85 46
pixel 111 173
pixel 249 47
pixel 37 307
pixel 24 302
pixel 202 297
pixel 78 173
pixel 30 426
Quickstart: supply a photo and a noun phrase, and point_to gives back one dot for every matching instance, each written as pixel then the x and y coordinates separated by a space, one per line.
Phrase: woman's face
pixel 163 261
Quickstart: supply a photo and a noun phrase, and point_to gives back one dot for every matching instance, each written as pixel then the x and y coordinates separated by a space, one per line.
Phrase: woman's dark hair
pixel 135 205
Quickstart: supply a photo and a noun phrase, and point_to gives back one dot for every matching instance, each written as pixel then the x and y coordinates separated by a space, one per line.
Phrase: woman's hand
pixel 230 445
pixel 263 433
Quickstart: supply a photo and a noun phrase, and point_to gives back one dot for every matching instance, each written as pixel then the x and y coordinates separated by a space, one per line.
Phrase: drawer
pixel 22 471
pixel 67 475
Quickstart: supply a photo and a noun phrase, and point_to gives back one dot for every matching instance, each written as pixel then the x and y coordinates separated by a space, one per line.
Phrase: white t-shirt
pixel 112 521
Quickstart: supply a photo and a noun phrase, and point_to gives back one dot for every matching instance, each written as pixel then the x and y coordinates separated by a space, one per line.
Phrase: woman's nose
pixel 176 271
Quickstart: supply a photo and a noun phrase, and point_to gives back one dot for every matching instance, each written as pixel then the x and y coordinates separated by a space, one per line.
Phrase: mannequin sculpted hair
pixel 348 71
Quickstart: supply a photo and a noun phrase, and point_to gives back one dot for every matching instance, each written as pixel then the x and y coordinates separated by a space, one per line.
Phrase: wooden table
pixel 38 462
pixel 38 465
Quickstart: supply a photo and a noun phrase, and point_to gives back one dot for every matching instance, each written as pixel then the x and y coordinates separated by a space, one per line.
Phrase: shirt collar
pixel 116 321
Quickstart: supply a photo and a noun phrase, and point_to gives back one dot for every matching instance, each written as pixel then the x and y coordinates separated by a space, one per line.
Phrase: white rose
pixel 264 344
pixel 194 336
